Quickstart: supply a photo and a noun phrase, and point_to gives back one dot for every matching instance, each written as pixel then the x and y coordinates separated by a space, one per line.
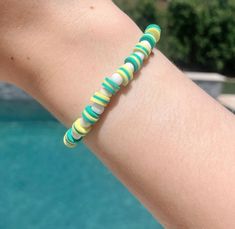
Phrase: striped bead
pixel 100 99
pixel 130 66
pixel 150 38
pixel 125 72
pixel 67 143
pixel 110 85
pixel 155 30
pixel 140 54
pixel 98 109
pixel 69 139
pixel 147 44
pixel 135 60
pixel 79 129
pixel 111 82
pixel 143 48
pixel 84 123
pixel 89 115
pixel 105 92
pixel 75 135
pixel 116 78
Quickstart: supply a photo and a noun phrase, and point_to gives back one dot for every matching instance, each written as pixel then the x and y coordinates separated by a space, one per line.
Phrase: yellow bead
pixel 124 77
pixel 79 128
pixel 156 33
pixel 94 100
pixel 90 117
pixel 101 95
pixel 146 46
pixel 67 143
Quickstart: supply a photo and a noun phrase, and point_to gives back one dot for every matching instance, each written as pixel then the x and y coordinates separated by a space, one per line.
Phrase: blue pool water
pixel 44 185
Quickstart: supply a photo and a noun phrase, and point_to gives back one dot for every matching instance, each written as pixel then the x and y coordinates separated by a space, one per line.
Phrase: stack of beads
pixel 111 85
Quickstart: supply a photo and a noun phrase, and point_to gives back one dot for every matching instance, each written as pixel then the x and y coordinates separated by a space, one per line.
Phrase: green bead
pixel 90 112
pixel 140 60
pixel 125 72
pixel 153 26
pixel 115 86
pixel 142 49
pixel 101 99
pixel 70 139
pixel 150 38
pixel 108 88
pixel 132 60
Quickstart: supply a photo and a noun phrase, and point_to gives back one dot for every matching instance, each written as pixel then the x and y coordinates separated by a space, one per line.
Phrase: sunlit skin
pixel 163 137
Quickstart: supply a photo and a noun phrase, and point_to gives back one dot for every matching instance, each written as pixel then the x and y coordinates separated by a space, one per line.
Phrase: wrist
pixel 69 53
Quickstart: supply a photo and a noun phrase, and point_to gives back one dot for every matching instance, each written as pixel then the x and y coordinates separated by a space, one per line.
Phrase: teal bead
pixel 115 86
pixel 142 49
pixel 153 26
pixel 94 116
pixel 150 38
pixel 91 112
pixel 70 139
pixel 132 60
pixel 101 99
pixel 125 72
pixel 140 60
pixel 108 88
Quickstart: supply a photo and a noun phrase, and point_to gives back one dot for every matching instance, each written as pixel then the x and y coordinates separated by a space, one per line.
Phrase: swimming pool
pixel 45 185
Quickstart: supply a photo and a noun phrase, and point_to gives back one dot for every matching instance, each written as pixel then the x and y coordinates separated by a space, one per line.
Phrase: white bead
pixel 76 135
pixel 147 43
pixel 130 66
pixel 97 108
pixel 105 92
pixel 140 54
pixel 116 78
pixel 84 123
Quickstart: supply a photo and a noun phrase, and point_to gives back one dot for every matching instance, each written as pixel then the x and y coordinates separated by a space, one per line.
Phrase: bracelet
pixel 111 85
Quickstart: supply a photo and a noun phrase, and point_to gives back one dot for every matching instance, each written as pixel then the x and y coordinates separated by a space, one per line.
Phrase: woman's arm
pixel 163 137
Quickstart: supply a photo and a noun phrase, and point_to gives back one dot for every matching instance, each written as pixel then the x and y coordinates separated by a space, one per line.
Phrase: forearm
pixel 171 145
pixel 162 136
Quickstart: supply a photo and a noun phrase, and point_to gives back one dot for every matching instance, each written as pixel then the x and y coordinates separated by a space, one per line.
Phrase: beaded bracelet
pixel 111 85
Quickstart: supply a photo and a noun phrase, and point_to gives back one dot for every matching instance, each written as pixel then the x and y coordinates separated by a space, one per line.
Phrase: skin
pixel 162 136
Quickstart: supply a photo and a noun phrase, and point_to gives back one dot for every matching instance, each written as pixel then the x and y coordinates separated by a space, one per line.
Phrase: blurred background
pixel 198 36
pixel 45 185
